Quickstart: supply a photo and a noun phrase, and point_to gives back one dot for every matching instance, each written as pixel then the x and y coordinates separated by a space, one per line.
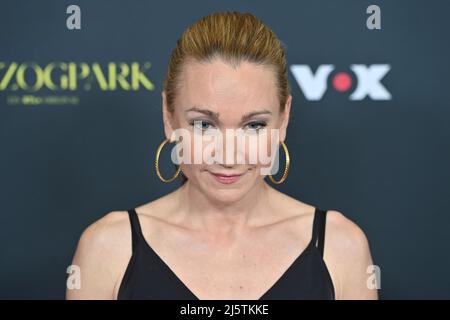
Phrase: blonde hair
pixel 234 37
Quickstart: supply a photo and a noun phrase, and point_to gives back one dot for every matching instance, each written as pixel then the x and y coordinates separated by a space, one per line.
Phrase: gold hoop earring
pixel 286 168
pixel 158 152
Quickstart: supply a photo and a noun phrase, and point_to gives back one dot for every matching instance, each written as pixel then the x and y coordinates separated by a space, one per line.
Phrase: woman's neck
pixel 205 213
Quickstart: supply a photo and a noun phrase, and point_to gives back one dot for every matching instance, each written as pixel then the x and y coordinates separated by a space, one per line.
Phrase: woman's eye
pixel 257 125
pixel 200 124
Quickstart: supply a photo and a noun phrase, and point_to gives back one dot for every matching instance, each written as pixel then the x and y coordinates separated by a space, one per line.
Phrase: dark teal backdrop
pixel 73 148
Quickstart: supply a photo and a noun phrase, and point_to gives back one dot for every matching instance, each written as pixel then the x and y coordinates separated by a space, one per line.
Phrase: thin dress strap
pixel 318 233
pixel 136 231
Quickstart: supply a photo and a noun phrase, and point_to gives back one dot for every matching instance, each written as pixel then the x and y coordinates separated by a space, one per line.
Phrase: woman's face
pixel 213 98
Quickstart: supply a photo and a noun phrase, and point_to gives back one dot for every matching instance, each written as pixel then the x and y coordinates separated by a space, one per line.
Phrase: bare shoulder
pixel 344 234
pixel 111 229
pixel 102 254
pixel 348 257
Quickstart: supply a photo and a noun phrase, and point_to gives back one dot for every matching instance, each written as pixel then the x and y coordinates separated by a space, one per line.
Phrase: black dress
pixel 148 277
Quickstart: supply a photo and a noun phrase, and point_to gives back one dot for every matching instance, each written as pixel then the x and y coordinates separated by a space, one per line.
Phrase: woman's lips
pixel 226 179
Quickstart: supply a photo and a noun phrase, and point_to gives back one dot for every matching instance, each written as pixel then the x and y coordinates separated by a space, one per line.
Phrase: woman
pixel 225 233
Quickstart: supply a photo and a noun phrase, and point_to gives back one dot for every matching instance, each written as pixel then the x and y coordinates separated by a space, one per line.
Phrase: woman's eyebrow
pixel 215 115
pixel 249 115
pixel 212 114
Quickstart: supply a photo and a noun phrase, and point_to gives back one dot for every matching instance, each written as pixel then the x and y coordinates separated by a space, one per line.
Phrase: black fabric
pixel 148 277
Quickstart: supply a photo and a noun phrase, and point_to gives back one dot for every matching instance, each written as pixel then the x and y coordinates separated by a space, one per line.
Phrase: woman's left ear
pixel 285 118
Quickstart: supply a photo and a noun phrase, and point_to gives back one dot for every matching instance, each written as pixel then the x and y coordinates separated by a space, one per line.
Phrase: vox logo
pixel 366 81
